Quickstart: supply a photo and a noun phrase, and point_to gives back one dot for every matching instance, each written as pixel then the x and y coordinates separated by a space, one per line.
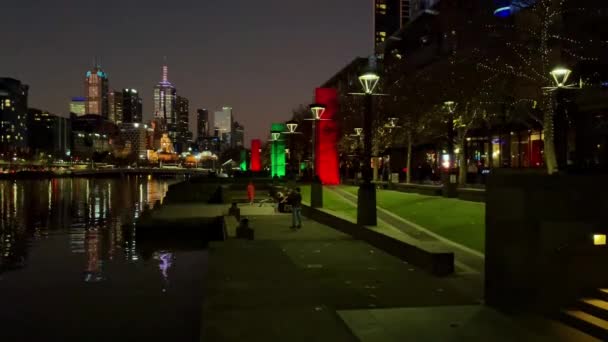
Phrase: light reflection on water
pixel 73 239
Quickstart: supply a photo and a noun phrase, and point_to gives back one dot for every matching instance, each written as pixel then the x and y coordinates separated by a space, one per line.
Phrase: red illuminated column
pixel 327 142
pixel 256 162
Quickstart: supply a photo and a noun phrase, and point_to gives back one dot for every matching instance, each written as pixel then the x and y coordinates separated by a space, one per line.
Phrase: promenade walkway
pixel 317 284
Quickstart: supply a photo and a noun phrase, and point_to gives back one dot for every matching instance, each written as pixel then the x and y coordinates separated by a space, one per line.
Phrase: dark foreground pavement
pixel 317 284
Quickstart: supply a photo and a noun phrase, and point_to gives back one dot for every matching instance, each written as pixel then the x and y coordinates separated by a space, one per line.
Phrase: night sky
pixel 262 57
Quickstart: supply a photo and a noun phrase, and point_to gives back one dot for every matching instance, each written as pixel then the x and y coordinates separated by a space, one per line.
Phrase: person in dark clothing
pixel 296 208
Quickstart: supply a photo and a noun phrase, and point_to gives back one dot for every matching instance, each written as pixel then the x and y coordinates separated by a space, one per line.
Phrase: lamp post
pixel 275 136
pixel 316 191
pixel 366 201
pixel 292 126
pixel 450 181
pixel 556 124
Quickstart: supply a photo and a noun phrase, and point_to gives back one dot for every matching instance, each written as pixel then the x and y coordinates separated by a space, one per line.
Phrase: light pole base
pixel 366 205
pixel 450 184
pixel 316 194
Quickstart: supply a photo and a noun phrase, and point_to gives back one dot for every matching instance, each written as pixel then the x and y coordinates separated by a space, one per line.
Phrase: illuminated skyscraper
pixel 115 104
pixel 132 109
pixel 78 106
pixel 165 101
pixel 184 136
pixel 223 124
pixel 96 92
pixel 202 123
pixel 13 115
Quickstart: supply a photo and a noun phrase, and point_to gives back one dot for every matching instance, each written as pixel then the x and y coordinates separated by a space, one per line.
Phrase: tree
pixel 533 46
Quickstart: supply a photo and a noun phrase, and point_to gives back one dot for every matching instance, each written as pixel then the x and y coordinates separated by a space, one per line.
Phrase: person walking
pixel 250 192
pixel 296 209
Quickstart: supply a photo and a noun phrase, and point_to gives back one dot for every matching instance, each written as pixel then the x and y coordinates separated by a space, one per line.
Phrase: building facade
pixel 202 123
pixel 49 134
pixel 135 138
pixel 78 106
pixel 238 135
pixel 13 115
pixel 391 16
pixel 96 92
pixel 92 136
pixel 115 106
pixel 184 136
pixel 165 102
pixel 223 124
pixel 132 108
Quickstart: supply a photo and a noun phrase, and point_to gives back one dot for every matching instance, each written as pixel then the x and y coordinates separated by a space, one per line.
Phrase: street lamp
pixel 292 127
pixel 366 202
pixel 556 124
pixel 316 193
pixel 560 76
pixel 275 136
pixel 451 108
pixel 450 180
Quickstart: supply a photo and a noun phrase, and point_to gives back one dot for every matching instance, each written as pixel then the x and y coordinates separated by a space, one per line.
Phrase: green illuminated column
pixel 277 152
pixel 243 164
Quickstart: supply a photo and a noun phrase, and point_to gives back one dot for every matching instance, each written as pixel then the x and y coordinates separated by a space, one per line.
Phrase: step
pixel 602 294
pixel 586 323
pixel 594 306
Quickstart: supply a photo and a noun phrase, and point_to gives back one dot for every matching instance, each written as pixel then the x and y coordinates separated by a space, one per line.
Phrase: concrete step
pixel 602 294
pixel 586 323
pixel 594 306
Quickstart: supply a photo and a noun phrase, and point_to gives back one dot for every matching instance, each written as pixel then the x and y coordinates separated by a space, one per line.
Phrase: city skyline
pixel 263 77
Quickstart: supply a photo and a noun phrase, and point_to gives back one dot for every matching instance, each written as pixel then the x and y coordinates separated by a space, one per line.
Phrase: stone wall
pixel 539 238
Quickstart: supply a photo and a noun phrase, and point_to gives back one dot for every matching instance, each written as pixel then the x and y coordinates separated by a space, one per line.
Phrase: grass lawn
pixel 332 202
pixel 457 220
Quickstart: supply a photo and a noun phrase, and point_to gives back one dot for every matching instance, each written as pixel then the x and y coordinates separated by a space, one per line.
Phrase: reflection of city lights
pixel 165 262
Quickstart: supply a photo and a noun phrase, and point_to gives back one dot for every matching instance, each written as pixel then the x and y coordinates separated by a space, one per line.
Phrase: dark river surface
pixel 70 269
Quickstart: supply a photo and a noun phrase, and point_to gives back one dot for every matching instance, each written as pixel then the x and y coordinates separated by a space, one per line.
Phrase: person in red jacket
pixel 250 192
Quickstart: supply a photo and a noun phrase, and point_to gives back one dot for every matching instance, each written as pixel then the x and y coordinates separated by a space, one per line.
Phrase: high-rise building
pixel 135 135
pixel 238 135
pixel 165 101
pixel 223 124
pixel 78 106
pixel 115 104
pixel 132 108
pixel 184 136
pixel 13 115
pixel 391 15
pixel 48 133
pixel 202 123
pixel 96 92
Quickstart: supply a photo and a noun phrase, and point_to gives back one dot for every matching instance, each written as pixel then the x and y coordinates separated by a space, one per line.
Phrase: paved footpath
pixel 317 284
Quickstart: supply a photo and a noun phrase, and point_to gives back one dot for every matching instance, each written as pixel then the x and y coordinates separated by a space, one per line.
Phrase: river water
pixel 71 270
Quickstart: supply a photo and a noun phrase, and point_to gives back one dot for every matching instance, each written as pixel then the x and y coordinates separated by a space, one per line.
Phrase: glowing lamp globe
pixel 450 106
pixel 317 111
pixel 560 76
pixel 292 126
pixel 369 81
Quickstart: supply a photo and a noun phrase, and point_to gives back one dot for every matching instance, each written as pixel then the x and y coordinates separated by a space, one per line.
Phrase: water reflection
pixel 92 212
pixel 165 262
pixel 70 269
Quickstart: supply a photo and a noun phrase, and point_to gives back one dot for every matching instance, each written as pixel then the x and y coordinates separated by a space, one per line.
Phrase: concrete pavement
pixel 317 284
